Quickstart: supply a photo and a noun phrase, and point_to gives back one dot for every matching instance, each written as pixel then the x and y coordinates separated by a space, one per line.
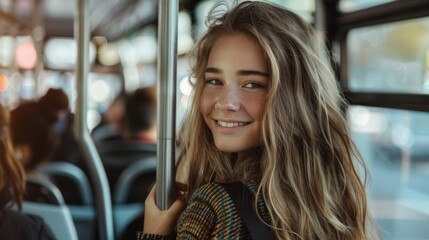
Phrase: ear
pixel 23 153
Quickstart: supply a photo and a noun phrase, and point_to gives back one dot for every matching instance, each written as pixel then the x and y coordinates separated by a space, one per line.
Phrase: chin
pixel 225 147
pixel 233 148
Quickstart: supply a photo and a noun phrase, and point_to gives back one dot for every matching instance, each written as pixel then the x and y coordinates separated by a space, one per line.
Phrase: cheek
pixel 206 103
pixel 203 107
pixel 255 106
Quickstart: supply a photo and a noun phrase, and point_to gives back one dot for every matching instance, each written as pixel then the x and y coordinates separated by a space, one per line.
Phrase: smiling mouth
pixel 231 124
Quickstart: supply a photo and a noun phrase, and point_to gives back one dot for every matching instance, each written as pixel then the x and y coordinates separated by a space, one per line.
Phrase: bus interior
pixel 379 50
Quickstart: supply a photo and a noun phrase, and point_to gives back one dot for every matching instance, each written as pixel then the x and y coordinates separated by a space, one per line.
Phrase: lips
pixel 230 124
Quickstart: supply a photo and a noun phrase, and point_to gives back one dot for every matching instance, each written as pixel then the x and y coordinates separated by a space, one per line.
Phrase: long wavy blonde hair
pixel 306 164
pixel 12 176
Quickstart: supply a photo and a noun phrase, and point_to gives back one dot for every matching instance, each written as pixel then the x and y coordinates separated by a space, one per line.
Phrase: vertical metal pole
pixel 37 41
pixel 14 68
pixel 320 16
pixel 98 175
pixel 166 127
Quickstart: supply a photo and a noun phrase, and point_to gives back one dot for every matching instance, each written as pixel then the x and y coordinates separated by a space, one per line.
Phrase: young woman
pixel 13 224
pixel 267 112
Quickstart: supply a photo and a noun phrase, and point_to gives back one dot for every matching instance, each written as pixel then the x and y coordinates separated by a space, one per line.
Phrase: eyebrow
pixel 240 72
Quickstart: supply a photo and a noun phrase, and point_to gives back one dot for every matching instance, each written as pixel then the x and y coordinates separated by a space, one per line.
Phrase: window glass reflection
pixel 391 57
pixel 395 146
pixel 354 5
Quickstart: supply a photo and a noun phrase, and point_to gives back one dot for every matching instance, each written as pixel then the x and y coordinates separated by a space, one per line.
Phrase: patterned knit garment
pixel 211 214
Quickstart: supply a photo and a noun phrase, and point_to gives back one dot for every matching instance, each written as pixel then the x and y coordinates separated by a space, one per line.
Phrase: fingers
pixel 178 186
pixel 158 221
pixel 152 191
pixel 181 186
pixel 180 200
pixel 179 204
pixel 151 194
pixel 181 191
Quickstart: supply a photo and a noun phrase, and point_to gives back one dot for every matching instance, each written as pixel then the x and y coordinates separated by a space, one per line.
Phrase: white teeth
pixel 230 124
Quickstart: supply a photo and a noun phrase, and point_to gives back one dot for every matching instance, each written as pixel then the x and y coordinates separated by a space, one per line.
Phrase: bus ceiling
pixel 113 19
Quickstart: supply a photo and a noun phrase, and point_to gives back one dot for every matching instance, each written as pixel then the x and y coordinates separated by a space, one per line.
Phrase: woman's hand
pixel 161 222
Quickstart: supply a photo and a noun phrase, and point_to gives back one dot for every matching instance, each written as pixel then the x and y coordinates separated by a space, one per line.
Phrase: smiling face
pixel 234 94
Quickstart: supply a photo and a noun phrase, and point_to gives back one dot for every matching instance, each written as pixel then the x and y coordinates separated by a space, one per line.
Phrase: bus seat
pixel 123 215
pixel 117 155
pixel 75 188
pixel 71 180
pixel 125 212
pixel 130 175
pixel 116 148
pixel 100 133
pixel 84 218
pixel 43 198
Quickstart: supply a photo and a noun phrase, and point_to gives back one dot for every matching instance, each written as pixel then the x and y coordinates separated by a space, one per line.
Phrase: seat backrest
pixel 124 215
pixel 75 188
pixel 136 179
pixel 43 198
pixel 84 218
pixel 41 190
pixel 117 155
pixel 117 148
pixel 101 133
pixel 71 180
pixel 125 182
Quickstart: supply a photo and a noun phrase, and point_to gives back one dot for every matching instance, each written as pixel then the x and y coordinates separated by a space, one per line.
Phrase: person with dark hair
pixel 132 116
pixel 140 116
pixel 68 148
pixel 135 142
pixel 109 126
pixel 54 104
pixel 34 127
pixel 34 137
pixel 14 224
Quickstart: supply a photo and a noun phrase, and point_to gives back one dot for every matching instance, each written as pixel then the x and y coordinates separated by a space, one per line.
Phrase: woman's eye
pixel 213 82
pixel 253 85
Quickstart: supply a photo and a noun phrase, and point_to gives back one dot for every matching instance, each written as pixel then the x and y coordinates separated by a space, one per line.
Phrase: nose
pixel 229 100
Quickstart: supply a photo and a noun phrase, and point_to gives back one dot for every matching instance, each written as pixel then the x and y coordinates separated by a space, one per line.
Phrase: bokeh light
pixel 26 55
pixel 4 83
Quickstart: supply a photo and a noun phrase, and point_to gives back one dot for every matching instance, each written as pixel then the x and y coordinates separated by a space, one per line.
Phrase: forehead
pixel 240 49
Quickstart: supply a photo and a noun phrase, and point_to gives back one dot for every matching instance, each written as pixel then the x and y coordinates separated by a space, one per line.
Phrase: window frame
pixel 339 24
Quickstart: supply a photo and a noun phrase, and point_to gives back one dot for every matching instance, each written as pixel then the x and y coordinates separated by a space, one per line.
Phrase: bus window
pixel 383 49
pixel 392 57
pixel 354 5
pixel 394 144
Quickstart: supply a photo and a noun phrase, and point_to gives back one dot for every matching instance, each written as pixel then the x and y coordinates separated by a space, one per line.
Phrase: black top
pixel 19 226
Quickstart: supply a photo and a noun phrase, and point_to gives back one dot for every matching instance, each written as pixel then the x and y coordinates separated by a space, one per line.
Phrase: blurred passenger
pixel 130 117
pixel 33 127
pixel 14 224
pixel 54 105
pixel 140 116
pixel 68 148
pixel 136 141
pixel 111 120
